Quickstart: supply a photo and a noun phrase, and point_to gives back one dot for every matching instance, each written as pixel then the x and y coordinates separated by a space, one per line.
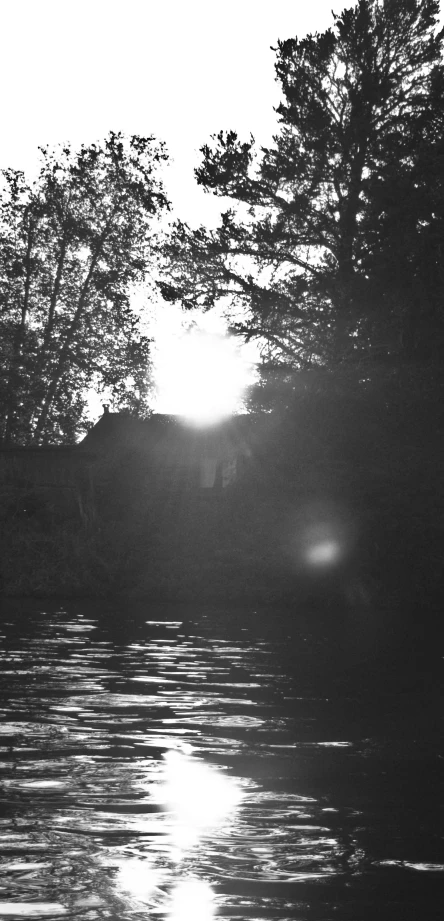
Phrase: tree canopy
pixel 335 253
pixel 71 246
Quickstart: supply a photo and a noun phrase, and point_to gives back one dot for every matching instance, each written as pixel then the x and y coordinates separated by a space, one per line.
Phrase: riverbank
pixel 242 545
pixel 370 468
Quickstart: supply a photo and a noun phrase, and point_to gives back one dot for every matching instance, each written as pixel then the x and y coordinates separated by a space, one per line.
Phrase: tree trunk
pixel 18 345
pixel 54 296
pixel 64 352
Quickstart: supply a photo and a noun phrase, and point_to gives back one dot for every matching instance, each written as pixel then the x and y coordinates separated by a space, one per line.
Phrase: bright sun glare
pixel 197 799
pixel 198 795
pixel 201 376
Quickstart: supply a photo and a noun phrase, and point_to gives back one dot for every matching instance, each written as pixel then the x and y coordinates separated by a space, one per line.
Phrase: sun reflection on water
pixel 139 878
pixel 199 796
pixel 134 821
pixel 192 900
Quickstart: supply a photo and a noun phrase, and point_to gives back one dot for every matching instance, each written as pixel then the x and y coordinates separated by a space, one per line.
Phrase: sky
pixel 179 69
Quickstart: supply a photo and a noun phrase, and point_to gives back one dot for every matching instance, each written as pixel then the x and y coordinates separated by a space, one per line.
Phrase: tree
pixel 71 246
pixel 324 266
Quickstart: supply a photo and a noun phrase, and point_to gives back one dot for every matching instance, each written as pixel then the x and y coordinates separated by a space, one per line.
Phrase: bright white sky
pixel 178 69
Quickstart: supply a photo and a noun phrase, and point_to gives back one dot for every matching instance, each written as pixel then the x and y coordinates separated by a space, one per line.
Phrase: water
pixel 192 764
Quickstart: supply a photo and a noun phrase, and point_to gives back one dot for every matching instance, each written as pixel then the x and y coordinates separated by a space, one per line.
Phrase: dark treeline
pixel 330 257
pixel 336 256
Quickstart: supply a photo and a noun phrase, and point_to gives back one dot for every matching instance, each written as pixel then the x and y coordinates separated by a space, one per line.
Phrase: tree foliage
pixel 71 246
pixel 335 253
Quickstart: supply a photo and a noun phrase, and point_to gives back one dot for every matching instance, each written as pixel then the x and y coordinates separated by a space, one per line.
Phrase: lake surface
pixel 181 763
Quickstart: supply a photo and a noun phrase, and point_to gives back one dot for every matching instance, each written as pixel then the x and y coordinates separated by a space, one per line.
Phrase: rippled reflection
pixel 212 766
pixel 199 796
pixel 192 900
pixel 138 878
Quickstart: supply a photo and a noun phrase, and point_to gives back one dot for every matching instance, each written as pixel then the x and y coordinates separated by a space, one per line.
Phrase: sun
pixel 201 376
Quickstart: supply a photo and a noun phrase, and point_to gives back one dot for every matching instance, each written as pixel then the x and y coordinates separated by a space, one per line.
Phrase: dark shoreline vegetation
pixel 373 453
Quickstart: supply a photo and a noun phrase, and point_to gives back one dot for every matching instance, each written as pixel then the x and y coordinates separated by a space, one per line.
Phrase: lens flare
pixel 323 553
pixel 322 536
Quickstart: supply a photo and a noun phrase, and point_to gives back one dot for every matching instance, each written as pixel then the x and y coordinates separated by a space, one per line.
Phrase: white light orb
pixel 323 553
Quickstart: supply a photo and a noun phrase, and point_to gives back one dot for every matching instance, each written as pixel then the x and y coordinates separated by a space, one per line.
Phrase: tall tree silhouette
pixel 71 246
pixel 334 220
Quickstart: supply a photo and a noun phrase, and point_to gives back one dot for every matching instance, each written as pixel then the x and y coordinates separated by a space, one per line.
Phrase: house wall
pixel 178 458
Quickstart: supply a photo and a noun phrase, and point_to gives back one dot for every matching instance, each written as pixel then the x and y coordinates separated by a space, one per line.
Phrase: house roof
pixel 167 435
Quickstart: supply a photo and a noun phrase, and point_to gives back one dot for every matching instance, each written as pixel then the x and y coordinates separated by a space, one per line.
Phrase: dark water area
pixel 190 764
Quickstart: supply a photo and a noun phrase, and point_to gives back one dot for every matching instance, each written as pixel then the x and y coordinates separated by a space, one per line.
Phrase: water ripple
pixel 147 767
